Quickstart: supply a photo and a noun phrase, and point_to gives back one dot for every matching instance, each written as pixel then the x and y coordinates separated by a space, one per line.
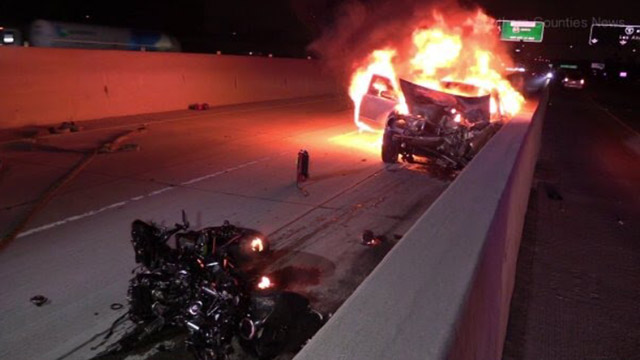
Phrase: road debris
pixel 552 192
pixel 39 300
pixel 199 106
pixel 116 145
pixel 370 239
pixel 65 127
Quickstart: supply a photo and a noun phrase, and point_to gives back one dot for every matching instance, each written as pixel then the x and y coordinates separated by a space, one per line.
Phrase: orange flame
pixel 465 50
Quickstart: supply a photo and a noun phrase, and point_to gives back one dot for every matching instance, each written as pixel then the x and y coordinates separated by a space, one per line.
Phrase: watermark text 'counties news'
pixel 575 23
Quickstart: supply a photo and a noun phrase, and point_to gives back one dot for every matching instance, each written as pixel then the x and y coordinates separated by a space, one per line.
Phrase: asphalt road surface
pixel 576 294
pixel 235 163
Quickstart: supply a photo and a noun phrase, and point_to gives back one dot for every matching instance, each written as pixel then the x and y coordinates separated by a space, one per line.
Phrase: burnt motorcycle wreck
pixel 199 285
pixel 448 128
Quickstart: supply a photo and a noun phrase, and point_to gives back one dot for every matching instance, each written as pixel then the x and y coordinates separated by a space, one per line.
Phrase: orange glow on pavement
pixel 368 141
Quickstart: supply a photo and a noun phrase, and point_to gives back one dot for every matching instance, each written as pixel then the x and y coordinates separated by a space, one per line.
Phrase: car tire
pixel 390 148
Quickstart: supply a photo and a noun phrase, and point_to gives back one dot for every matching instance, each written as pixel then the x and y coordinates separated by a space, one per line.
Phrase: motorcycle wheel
pixel 207 354
pixel 270 343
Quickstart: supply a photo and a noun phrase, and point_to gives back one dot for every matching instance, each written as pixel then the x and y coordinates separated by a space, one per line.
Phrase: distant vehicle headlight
pixel 549 75
pixel 581 81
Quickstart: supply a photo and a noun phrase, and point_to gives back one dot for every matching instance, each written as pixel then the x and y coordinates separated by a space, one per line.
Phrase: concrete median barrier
pixel 443 292
pixel 47 85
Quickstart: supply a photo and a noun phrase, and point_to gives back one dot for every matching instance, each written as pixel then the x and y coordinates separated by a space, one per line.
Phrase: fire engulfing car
pixel 439 125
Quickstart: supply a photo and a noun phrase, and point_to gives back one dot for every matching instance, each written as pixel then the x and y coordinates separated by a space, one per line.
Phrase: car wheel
pixel 390 148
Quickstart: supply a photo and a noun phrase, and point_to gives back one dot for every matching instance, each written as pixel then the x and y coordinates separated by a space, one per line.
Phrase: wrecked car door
pixel 380 100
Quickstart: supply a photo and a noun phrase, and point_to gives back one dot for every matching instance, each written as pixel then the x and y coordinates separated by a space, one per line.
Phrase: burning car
pixel 440 92
pixel 436 124
pixel 450 128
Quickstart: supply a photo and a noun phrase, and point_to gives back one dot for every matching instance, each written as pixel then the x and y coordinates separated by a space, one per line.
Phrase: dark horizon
pixel 287 27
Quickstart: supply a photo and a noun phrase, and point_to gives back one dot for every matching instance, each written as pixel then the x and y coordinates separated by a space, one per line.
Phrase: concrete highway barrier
pixel 443 292
pixel 47 85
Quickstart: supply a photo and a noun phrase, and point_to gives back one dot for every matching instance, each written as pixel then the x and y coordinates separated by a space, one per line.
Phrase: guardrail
pixel 444 290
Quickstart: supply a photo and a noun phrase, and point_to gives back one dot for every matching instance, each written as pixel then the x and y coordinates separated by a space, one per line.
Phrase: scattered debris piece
pixel 370 239
pixel 115 144
pixel 367 236
pixel 620 221
pixel 129 147
pixel 116 306
pixel 199 106
pixel 67 126
pixel 39 300
pixel 552 192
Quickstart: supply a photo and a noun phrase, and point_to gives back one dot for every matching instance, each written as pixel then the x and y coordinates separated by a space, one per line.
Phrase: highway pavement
pixel 576 294
pixel 234 163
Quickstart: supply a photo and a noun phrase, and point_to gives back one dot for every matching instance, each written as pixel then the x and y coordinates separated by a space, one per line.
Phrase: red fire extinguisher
pixel 302 169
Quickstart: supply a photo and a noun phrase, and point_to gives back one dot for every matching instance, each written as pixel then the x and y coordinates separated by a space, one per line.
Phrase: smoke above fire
pixel 430 45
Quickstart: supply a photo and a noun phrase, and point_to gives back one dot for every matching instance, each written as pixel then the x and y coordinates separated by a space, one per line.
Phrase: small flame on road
pixel 264 283
pixel 257 245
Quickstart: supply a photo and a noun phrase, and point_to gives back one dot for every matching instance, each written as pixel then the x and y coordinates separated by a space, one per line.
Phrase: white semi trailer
pixel 47 33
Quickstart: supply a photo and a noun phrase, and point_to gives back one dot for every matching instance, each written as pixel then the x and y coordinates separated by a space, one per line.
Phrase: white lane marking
pixel 193 181
pixel 69 219
pixel 136 198
pixel 158 192
pixel 615 117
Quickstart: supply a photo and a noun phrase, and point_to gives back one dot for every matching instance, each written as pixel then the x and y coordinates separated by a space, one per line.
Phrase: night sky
pixel 287 27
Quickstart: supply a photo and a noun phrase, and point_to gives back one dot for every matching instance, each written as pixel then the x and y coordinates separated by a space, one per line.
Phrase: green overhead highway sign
pixel 527 31
pixel 614 34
